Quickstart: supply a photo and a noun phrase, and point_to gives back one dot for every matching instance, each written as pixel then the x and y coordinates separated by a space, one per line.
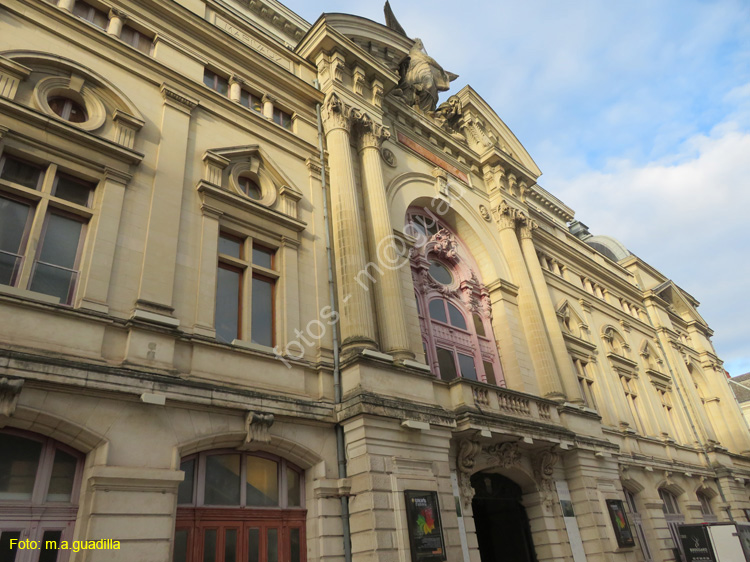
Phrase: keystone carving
pixel 505 454
pixel 257 427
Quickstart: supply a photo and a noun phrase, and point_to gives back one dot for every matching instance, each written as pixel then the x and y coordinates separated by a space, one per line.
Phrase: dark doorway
pixel 502 526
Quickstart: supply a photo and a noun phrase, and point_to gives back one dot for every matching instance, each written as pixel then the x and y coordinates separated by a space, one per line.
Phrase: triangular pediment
pixel 489 136
pixel 680 302
pixel 260 162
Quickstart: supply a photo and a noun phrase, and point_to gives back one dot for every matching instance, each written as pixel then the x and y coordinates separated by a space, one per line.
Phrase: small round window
pixel 68 109
pixel 250 188
pixel 440 273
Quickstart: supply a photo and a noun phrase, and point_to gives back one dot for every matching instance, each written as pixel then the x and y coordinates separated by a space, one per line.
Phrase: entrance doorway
pixel 503 531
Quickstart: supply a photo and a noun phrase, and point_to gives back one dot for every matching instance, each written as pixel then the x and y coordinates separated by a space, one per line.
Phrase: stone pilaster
pixel 384 249
pixel 559 349
pixel 160 253
pixel 357 322
pixel 531 318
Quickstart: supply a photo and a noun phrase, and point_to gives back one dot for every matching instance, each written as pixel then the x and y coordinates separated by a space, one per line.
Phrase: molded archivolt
pixel 414 189
pixel 110 113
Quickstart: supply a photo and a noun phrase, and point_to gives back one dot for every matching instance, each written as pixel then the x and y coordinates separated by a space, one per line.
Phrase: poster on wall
pixel 425 529
pixel 620 523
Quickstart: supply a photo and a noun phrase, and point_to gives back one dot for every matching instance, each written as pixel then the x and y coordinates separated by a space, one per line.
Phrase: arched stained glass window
pixel 453 304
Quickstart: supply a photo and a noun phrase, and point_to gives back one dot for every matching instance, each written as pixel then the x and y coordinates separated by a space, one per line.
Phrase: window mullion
pixel 243 480
pixel 246 300
pixel 32 246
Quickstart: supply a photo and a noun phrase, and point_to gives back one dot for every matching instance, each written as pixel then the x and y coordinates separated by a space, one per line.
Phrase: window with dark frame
pixel 91 14
pixel 63 200
pixel 281 117
pixel 138 39
pixel 215 82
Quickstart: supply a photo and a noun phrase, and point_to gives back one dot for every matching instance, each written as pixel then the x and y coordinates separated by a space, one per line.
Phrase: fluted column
pixel 531 318
pixel 559 349
pixel 394 338
pixel 357 323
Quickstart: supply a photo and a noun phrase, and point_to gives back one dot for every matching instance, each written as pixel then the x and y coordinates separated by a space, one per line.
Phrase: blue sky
pixel 637 112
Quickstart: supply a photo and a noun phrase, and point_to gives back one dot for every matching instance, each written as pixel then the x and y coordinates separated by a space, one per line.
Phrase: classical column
pixel 116 21
pixel 394 338
pixel 160 254
pixel 559 349
pixel 531 318
pixel 357 322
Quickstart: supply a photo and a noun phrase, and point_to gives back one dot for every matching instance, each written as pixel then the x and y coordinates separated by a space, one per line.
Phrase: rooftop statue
pixel 421 79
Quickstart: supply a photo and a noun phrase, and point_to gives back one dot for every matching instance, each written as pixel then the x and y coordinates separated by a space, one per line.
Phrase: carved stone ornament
pixel 369 133
pixel 505 454
pixel 485 212
pixel 448 115
pixel 388 157
pixel 501 455
pixel 336 114
pixel 545 476
pixel 444 246
pixel 10 389
pixel 257 427
pixel 421 79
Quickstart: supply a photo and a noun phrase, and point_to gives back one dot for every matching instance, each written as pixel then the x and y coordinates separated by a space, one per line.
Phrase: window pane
pixel 228 304
pixel 293 494
pixel 489 372
pixel 209 545
pixel 262 328
pixel 230 545
pixel 253 545
pixel 251 188
pixel 468 368
pixel 437 311
pixel 73 190
pixel 440 273
pixel 63 476
pixel 60 245
pixel 262 257
pixel 185 491
pixel 222 480
pixel 21 172
pixel 180 545
pixel 294 544
pixel 230 246
pixel 208 78
pixel 19 461
pixel 6 554
pixel 479 325
pixel 14 217
pixel 272 552
pixel 51 280
pixel 49 546
pixel 457 319
pixel 446 363
pixel 262 482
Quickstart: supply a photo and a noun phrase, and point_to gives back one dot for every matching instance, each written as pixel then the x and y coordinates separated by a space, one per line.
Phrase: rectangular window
pixel 87 12
pixel 215 82
pixel 137 39
pixel 252 101
pixel 282 118
pixel 245 292
pixel 57 236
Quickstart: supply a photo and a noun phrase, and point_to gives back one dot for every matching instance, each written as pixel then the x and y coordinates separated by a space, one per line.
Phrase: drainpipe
pixel 340 444
pixel 689 417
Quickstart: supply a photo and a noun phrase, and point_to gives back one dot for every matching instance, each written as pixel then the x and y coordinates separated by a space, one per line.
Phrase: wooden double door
pixel 239 535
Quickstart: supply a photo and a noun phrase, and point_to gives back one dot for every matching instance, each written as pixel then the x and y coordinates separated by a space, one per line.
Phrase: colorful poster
pixel 620 524
pixel 425 530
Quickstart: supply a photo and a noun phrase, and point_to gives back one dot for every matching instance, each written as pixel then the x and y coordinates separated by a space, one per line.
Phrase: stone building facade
pixel 256 285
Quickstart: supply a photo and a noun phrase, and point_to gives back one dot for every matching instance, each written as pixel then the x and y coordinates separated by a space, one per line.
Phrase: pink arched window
pixel 454 306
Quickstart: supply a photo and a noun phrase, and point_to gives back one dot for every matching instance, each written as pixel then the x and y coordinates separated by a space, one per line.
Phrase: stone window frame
pixel 73 87
pixel 442 245
pixel 35 516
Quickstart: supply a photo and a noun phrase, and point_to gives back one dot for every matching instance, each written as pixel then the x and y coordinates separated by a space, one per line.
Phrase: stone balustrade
pixel 491 399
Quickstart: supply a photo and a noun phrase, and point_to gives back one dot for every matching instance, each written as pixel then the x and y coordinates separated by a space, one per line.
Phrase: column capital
pixel 118 13
pixel 370 134
pixel 235 79
pixel 336 114
pixel 527 226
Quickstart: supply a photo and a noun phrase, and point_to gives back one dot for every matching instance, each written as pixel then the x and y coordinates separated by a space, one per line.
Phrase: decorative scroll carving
pixel 467 454
pixel 377 93
pixel 258 426
pixel 528 226
pixel 336 114
pixel 359 80
pixel 10 389
pixel 484 211
pixel 505 454
pixel 370 133
pixel 545 476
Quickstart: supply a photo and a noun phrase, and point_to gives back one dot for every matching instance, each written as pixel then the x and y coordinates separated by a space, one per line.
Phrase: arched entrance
pixel 503 531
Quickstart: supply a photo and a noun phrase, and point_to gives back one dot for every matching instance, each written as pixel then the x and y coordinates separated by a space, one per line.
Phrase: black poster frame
pixel 422 503
pixel 624 536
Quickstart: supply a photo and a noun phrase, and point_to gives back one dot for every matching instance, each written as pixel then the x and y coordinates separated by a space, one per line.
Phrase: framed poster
pixel 620 524
pixel 425 528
